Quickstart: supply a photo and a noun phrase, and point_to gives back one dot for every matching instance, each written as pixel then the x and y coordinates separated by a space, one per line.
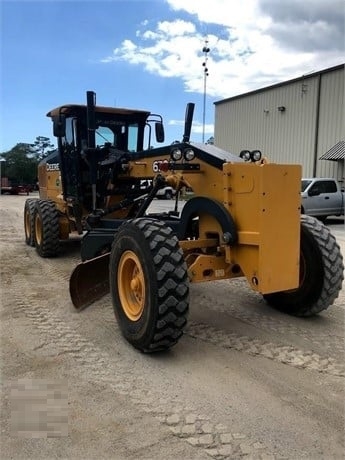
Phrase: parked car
pixel 15 189
pixel 322 197
pixel 165 193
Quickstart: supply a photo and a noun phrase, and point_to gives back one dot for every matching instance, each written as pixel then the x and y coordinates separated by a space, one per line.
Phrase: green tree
pixel 19 166
pixel 41 147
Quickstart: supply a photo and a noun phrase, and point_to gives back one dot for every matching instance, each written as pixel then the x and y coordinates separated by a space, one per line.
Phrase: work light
pixel 176 154
pixel 189 154
pixel 245 155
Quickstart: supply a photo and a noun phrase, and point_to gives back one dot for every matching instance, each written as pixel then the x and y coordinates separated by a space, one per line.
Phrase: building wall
pixel 312 122
pixel 331 122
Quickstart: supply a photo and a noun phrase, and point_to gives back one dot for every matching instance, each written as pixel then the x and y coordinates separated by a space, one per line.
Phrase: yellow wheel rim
pixel 38 228
pixel 131 285
pixel 27 224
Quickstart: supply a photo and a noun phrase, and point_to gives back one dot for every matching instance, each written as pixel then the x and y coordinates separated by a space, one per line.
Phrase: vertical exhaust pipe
pixel 91 118
pixel 91 143
pixel 188 121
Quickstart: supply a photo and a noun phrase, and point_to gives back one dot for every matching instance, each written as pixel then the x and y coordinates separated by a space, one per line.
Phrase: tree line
pixel 19 164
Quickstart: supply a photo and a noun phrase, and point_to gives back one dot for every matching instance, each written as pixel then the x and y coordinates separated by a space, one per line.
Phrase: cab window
pixel 132 138
pixel 70 133
pixel 105 135
pixel 325 186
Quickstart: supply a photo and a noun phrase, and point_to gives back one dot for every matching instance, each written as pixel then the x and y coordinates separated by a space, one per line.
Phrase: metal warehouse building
pixel 297 121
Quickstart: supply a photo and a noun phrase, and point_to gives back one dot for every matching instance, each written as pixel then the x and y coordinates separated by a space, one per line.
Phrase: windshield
pixel 105 135
pixel 120 135
pixel 305 184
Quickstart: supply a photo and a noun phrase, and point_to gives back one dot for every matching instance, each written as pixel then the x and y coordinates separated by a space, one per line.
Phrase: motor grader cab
pixel 74 179
pixel 243 220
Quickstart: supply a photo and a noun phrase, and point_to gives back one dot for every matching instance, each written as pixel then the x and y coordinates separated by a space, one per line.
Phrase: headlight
pixel 245 155
pixel 176 154
pixel 256 155
pixel 189 154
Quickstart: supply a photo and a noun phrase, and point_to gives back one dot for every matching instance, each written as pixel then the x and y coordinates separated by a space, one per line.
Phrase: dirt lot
pixel 245 381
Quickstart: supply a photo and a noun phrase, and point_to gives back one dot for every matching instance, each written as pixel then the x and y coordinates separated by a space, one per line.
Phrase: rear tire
pixel 149 284
pixel 321 273
pixel 46 235
pixel 29 221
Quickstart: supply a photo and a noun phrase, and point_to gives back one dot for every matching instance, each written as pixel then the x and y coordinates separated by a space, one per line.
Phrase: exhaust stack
pixel 91 143
pixel 91 119
pixel 188 121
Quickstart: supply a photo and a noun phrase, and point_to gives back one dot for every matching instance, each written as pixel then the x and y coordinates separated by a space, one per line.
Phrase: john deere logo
pixel 53 167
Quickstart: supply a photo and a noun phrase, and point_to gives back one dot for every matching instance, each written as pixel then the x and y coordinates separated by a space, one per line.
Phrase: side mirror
pixel 314 192
pixel 59 125
pixel 159 129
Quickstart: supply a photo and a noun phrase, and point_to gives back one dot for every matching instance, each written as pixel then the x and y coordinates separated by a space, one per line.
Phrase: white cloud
pixel 176 28
pixel 252 44
pixel 197 127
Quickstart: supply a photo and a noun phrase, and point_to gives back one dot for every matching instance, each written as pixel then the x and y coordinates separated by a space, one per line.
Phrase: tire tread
pixel 172 284
pixel 331 261
pixel 29 207
pixel 50 245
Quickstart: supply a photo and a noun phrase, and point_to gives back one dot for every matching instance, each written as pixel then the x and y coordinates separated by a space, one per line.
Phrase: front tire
pixel 46 220
pixel 149 284
pixel 321 273
pixel 29 221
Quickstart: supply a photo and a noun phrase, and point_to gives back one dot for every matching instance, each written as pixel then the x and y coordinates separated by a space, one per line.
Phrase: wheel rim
pixel 38 229
pixel 131 285
pixel 27 224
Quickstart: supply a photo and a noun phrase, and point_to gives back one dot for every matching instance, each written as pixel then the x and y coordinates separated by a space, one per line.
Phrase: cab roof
pixel 71 109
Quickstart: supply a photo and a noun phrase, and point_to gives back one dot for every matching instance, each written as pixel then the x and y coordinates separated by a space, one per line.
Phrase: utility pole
pixel 205 50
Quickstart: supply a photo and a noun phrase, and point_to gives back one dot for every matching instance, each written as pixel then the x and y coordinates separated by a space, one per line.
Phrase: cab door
pixel 70 162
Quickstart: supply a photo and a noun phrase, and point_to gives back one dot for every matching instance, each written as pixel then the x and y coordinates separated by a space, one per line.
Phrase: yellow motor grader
pixel 243 220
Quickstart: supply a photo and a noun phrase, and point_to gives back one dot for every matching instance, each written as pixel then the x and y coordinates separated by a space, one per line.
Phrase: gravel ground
pixel 245 381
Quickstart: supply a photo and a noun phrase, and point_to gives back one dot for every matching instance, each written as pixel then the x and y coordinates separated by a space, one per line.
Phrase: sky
pixel 148 54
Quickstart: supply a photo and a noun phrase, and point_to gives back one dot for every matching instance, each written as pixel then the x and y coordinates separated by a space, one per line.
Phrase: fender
pixel 198 205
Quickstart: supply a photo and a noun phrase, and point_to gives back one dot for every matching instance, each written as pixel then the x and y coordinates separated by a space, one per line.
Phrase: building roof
pixel 277 85
pixel 336 153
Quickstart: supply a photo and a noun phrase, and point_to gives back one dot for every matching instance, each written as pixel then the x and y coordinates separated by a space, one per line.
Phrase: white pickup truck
pixel 322 197
pixel 165 193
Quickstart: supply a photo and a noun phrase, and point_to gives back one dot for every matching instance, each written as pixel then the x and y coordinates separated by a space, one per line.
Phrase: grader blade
pixel 89 281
